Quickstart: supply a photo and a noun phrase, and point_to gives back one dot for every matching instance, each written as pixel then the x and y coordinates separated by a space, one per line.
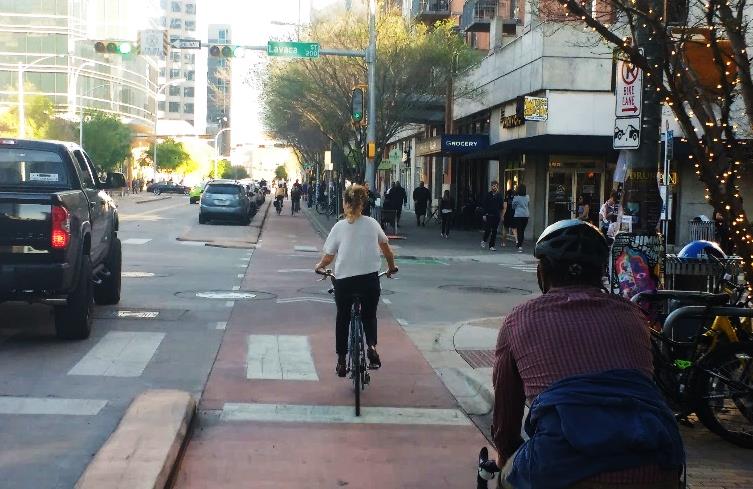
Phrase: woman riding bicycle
pixel 354 245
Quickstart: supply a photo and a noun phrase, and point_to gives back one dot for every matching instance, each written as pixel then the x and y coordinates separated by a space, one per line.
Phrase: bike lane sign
pixel 629 90
pixel 627 133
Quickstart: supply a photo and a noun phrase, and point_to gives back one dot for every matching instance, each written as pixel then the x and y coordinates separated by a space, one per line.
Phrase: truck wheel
pixel 74 320
pixel 108 292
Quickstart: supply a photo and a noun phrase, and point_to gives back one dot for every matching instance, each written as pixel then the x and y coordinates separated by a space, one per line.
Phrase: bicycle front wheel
pixel 321 208
pixel 725 393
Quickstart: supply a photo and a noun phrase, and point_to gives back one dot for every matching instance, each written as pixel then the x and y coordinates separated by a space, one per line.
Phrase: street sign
pixel 670 145
pixel 186 44
pixel 293 49
pixel 151 42
pixel 535 108
pixel 629 90
pixel 627 133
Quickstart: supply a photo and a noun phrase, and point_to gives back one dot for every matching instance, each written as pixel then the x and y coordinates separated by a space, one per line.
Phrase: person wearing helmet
pixel 581 359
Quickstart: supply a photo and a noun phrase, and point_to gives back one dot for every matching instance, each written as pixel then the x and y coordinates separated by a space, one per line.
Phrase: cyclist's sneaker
pixel 483 244
pixel 341 369
pixel 492 248
pixel 374 361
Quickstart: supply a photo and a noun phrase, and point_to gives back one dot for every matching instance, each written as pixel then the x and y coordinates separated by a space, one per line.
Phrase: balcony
pixel 478 15
pixel 431 11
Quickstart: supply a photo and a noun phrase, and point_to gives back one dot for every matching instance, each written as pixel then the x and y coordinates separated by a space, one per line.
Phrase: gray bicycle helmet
pixel 572 241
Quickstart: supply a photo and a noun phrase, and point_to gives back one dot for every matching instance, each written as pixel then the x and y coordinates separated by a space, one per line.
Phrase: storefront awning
pixel 385 165
pixel 548 143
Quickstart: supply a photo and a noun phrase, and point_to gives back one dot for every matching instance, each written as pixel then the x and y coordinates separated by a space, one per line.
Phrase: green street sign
pixel 293 49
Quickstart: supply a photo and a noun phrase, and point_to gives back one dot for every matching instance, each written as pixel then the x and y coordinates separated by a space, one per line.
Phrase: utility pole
pixel 641 188
pixel 371 112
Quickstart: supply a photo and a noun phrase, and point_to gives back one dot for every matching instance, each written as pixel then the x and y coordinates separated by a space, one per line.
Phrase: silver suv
pixel 225 200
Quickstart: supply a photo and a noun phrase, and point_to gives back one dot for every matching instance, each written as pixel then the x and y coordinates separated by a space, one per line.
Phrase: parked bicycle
pixel 703 363
pixel 327 208
pixel 356 363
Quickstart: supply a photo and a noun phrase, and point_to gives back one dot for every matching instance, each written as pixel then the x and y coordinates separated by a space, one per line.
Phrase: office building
pixel 219 78
pixel 179 18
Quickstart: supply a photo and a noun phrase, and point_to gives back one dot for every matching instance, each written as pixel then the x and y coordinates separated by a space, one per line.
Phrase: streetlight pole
pixel 371 114
pixel 74 87
pixel 22 93
pixel 217 148
pixel 156 118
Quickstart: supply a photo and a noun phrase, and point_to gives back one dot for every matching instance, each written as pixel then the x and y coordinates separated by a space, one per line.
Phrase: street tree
pixel 695 56
pixel 106 139
pixel 171 157
pixel 41 120
pixel 235 172
pixel 281 173
pixel 219 169
pixel 415 64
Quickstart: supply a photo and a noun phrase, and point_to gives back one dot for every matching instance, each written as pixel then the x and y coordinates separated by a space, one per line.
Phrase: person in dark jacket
pixel 581 358
pixel 396 197
pixel 493 205
pixel 446 208
pixel 421 199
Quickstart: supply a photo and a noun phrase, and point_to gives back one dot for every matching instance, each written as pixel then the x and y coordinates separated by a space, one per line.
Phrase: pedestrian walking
pixel 520 214
pixel 370 200
pixel 397 198
pixel 508 226
pixel 305 191
pixel 421 199
pixel 446 206
pixel 608 212
pixel 492 208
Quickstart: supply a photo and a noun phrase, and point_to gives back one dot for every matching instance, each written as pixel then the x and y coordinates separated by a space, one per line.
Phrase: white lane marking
pixel 192 243
pixel 50 405
pixel 221 325
pixel 138 314
pixel 280 413
pixel 136 274
pixel 119 354
pixel 241 275
pixel 136 241
pixel 305 299
pixel 387 301
pixel 293 270
pixel 523 268
pixel 236 287
pixel 403 322
pixel 280 357
pixel 229 303
pixel 243 266
pixel 235 295
pixel 308 249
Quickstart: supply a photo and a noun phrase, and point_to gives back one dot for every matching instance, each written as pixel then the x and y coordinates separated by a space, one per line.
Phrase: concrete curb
pixel 152 200
pixel 142 452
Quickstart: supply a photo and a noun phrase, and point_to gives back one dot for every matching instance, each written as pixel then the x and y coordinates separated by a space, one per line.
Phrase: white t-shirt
pixel 355 246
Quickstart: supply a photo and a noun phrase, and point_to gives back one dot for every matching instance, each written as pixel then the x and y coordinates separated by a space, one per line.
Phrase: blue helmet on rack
pixel 700 249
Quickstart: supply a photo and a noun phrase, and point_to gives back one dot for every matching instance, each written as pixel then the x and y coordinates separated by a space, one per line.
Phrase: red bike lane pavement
pixel 278 415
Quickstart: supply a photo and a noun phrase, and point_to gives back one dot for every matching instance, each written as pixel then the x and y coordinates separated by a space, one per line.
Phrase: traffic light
pixel 357 105
pixel 225 51
pixel 114 47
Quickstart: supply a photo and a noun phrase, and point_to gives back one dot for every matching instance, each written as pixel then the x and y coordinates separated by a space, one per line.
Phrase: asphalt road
pixel 60 400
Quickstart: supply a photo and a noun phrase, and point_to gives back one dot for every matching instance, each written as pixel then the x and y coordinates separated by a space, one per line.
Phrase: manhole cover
pixel 226 295
pixel 478 358
pixel 136 274
pixel 484 289
pixel 323 290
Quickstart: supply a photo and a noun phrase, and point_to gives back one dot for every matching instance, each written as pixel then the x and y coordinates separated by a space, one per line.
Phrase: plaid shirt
pixel 566 332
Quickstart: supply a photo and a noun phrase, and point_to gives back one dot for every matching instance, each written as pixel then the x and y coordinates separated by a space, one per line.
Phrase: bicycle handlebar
pixel 328 273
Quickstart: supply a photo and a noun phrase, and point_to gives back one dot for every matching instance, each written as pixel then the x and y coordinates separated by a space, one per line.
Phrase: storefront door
pixel 564 189
pixel 588 185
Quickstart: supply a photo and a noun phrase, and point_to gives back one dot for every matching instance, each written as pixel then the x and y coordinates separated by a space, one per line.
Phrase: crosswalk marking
pixel 119 354
pixel 136 241
pixel 221 325
pixel 387 301
pixel 281 413
pixel 280 357
pixel 531 268
pixel 50 405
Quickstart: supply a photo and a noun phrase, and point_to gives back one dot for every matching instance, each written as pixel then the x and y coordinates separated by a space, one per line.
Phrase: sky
pixel 251 24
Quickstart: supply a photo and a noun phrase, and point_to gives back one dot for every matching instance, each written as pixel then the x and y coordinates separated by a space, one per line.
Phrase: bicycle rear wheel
pixel 356 353
pixel 725 393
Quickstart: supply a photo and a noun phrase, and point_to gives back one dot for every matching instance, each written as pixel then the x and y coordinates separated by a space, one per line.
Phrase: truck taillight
pixel 61 228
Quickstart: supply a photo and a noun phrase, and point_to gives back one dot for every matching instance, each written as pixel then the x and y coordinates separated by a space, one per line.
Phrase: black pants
pixel 419 214
pixel 520 228
pixel 367 287
pixel 490 230
pixel 446 223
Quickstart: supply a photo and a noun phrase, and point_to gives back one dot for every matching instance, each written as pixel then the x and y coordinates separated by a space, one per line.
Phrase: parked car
pixel 255 194
pixel 58 232
pixel 170 188
pixel 225 200
pixel 195 194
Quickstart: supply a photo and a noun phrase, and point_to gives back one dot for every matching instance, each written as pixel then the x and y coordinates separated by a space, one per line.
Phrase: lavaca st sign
pixel 464 143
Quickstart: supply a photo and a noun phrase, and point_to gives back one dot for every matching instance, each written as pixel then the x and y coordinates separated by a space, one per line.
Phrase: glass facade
pixel 58 39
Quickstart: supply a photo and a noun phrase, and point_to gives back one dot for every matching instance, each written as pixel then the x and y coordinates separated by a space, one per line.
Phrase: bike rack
pixel 703 312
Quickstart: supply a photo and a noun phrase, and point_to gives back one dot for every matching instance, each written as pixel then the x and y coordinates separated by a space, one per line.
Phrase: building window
pixel 188 108
pixel 175 56
pixel 190 25
pixel 189 58
pixel 222 35
pixel 190 8
pixel 174 91
pixel 188 92
pixel 174 106
pixel 162 72
pixel 174 73
pixel 161 106
pixel 176 24
pixel 176 7
pixel 163 21
pixel 189 75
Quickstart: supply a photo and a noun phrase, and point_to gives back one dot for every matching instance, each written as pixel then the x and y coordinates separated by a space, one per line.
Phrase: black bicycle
pixel 356 365
pixel 325 207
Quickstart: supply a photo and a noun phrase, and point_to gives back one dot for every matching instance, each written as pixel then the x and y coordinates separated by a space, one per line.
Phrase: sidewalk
pixel 426 243
pixel 275 415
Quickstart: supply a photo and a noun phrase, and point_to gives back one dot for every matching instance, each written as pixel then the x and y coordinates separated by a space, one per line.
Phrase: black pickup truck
pixel 58 232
